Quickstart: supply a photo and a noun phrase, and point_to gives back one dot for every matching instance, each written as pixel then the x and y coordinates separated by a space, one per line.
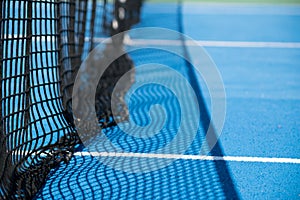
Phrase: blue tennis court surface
pixel 257 51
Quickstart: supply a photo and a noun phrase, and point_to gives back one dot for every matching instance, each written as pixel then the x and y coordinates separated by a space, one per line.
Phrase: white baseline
pixel 192 157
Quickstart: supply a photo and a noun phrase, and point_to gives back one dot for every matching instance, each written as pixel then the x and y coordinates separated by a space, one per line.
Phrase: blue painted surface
pixel 263 93
pixel 263 100
pixel 244 23
pixel 266 180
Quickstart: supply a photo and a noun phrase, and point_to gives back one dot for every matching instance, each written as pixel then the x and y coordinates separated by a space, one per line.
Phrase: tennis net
pixel 42 46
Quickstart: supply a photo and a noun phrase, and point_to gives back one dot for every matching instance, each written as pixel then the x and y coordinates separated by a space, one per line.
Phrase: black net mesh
pixel 42 46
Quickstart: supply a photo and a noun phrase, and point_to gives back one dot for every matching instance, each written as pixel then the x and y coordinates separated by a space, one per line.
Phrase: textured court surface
pixel 262 87
pixel 256 49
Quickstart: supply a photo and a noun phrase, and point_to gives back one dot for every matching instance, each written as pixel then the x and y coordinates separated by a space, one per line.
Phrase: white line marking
pixel 192 157
pixel 248 44
pixel 158 42
pixel 176 156
pixel 207 43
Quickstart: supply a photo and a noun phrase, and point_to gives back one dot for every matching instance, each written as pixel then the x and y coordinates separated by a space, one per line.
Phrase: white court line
pixel 207 43
pixel 193 157
pixel 248 44
pixel 204 43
